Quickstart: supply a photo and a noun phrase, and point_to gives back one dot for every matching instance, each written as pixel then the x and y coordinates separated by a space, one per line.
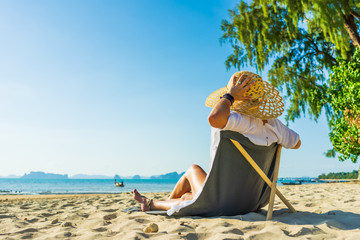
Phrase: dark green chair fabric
pixel 233 187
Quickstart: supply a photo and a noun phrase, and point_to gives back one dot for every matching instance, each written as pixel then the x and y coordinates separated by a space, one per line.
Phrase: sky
pixel 118 87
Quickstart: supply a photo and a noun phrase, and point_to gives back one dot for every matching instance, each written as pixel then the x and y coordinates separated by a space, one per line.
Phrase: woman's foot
pixel 144 201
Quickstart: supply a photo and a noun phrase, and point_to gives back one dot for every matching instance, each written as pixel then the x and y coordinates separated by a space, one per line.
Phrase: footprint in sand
pixel 27 206
pixel 34 220
pixel 6 216
pixel 28 236
pixel 100 229
pixel 308 231
pixel 110 210
pixel 84 215
pixel 141 220
pixel 47 214
pixel 234 231
pixel 28 230
pixel 68 205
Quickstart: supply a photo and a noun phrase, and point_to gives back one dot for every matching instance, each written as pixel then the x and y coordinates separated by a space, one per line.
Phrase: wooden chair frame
pixel 272 184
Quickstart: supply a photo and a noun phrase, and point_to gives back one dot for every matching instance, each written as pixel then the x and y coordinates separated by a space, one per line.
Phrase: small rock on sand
pixel 55 221
pixel 153 227
pixel 110 216
pixel 67 224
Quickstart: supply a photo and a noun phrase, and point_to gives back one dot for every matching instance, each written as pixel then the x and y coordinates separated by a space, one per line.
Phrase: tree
pixel 303 38
pixel 344 98
pixel 339 175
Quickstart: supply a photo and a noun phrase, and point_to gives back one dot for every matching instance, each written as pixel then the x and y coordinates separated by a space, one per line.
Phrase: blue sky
pixel 118 87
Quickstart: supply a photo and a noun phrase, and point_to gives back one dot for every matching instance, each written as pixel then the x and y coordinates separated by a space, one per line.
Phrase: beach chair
pixel 271 184
pixel 242 179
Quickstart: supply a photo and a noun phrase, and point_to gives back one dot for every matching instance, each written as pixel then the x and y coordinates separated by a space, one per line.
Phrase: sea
pixel 87 186
pixel 81 186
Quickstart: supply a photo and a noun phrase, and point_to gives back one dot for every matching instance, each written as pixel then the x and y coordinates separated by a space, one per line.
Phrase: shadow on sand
pixel 333 219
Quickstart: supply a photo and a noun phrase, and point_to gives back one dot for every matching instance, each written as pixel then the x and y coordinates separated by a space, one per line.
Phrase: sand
pixel 325 211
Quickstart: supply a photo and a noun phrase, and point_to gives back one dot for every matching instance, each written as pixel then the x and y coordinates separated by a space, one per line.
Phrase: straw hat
pixel 265 103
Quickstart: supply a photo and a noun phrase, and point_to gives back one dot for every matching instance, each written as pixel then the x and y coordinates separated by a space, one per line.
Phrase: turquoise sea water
pixel 68 186
pixel 72 186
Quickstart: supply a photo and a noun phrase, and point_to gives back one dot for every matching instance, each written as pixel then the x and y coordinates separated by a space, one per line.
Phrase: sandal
pixel 149 204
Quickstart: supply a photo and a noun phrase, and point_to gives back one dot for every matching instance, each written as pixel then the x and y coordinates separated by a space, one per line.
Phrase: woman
pixel 244 93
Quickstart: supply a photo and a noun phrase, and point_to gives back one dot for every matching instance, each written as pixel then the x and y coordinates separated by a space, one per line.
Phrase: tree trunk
pixel 351 28
pixel 359 173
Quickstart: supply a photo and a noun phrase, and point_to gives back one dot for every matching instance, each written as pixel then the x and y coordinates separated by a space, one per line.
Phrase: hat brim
pixel 269 106
pixel 214 97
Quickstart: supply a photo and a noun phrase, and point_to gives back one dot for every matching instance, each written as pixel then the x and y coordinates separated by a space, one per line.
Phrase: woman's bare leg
pixel 188 185
pixel 190 182
pixel 181 187
pixel 155 204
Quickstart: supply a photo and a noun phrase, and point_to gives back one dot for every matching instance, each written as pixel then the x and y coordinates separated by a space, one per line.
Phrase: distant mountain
pixel 11 176
pixel 85 176
pixel 42 175
pixel 172 175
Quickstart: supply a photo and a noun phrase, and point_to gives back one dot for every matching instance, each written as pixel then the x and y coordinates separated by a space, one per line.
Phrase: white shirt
pixel 257 132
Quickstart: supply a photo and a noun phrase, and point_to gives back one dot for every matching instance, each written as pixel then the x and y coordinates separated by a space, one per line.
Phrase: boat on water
pixel 291 182
pixel 119 184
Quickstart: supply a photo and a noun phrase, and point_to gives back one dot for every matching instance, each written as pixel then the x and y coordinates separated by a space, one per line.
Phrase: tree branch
pixel 318 51
pixel 355 14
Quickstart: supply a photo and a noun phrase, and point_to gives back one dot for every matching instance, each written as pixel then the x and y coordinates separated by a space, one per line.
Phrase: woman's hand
pixel 220 114
pixel 239 87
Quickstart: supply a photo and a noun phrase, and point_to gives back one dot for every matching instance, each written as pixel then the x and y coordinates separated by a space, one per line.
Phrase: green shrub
pixel 343 95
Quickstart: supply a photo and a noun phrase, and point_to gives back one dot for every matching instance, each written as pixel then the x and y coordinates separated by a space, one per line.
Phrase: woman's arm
pixel 220 114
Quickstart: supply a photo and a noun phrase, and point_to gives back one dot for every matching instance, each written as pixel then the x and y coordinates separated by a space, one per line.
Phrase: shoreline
pixel 12 197
pixel 8 193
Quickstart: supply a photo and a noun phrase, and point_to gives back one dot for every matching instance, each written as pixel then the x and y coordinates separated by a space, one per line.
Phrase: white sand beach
pixel 325 211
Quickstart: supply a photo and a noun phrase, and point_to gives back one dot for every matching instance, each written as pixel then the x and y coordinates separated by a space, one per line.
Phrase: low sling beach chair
pixel 242 179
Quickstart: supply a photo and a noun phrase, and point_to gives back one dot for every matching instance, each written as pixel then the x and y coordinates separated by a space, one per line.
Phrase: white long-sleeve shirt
pixel 257 132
